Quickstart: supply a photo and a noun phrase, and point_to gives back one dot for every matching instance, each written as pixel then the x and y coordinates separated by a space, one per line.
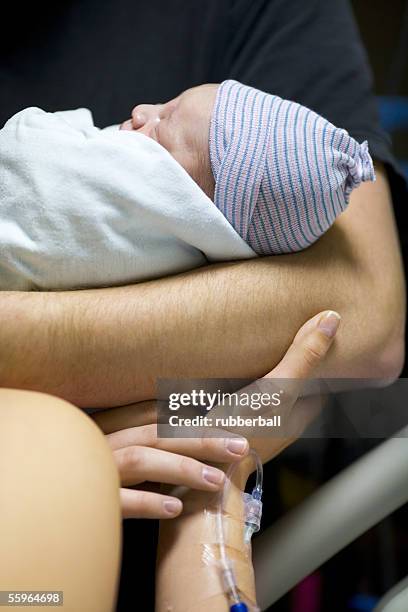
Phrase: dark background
pixel 381 24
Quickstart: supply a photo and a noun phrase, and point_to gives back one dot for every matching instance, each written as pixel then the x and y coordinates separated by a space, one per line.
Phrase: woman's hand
pixel 143 457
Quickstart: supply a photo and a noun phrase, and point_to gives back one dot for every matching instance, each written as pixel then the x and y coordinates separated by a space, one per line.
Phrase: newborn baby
pixel 83 207
pixel 282 173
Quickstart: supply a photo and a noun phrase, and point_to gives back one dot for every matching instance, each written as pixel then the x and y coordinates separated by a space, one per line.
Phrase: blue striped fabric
pixel 282 173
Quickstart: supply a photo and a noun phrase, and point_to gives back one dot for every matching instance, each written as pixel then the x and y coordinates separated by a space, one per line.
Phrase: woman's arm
pixel 107 347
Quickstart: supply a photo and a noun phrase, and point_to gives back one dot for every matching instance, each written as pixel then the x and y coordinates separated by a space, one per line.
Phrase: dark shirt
pixel 111 55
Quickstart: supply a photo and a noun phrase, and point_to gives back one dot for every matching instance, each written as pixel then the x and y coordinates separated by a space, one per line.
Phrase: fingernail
pixel 213 475
pixel 172 506
pixel 238 446
pixel 329 323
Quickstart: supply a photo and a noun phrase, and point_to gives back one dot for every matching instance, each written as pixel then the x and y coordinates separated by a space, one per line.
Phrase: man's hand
pixel 142 457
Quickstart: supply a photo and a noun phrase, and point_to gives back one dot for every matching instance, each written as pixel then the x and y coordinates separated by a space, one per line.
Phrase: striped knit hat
pixel 282 173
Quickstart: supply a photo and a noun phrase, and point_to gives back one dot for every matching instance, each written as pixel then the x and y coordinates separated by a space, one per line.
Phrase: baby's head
pixel 278 172
pixel 182 126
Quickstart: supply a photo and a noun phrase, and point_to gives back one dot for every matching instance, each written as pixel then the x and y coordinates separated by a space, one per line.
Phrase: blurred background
pixel 384 30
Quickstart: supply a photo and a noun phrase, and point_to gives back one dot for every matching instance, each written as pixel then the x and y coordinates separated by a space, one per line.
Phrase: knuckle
pixel 143 501
pixel 132 457
pixel 186 465
pixel 313 352
pixel 207 446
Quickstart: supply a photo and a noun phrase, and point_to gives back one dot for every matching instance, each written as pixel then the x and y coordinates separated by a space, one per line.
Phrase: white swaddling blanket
pixel 84 207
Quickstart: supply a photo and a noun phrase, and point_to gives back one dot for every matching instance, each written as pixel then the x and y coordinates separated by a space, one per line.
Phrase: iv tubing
pixel 226 565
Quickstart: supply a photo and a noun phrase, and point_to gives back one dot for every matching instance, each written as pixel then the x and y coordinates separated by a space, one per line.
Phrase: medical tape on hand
pixel 233 530
pixel 239 553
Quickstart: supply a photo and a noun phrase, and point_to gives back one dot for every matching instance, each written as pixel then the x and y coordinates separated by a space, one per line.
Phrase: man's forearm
pixel 106 347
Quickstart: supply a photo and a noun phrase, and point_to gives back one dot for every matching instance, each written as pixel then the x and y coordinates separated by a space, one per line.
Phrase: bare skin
pixel 59 471
pixel 60 523
pixel 184 541
pixel 182 126
pixel 141 455
pixel 106 347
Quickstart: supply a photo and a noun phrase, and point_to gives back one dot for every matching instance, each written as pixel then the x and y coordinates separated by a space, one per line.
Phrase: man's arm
pixel 106 347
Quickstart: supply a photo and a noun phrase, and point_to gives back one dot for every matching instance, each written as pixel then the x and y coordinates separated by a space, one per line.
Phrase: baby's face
pixel 182 127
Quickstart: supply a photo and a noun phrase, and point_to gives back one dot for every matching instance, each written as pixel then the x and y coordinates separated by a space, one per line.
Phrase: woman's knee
pixel 31 409
pixel 46 440
pixel 60 515
pixel 33 420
